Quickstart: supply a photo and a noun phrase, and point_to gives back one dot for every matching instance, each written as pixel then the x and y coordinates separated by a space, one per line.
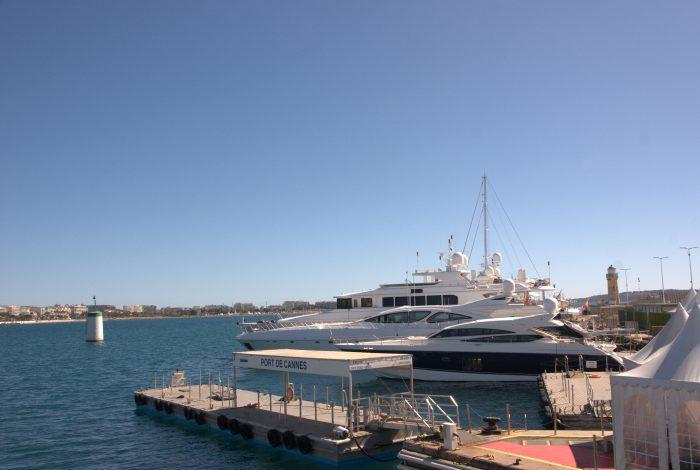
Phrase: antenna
pixel 486 227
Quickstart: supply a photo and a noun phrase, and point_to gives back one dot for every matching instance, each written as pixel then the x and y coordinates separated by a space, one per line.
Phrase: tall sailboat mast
pixel 486 226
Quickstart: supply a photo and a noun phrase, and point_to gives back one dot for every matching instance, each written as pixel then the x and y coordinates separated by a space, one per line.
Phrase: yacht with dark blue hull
pixel 498 349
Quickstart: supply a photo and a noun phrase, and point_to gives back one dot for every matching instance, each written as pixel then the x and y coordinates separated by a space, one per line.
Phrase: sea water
pixel 67 403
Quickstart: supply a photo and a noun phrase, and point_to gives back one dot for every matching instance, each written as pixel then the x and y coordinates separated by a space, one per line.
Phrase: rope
pixel 472 221
pixel 474 242
pixel 498 234
pixel 352 436
pixel 514 230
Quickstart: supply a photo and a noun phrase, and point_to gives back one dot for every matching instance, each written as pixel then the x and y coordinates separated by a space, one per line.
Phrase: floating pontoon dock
pixel 579 400
pixel 305 423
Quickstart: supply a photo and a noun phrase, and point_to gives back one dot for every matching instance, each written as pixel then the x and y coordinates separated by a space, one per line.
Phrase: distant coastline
pixel 155 317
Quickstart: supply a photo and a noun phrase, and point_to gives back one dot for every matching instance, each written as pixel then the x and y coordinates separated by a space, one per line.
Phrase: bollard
pixel 469 418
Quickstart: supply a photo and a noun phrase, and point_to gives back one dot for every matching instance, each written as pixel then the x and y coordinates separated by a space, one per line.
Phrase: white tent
pixel 656 406
pixel 667 334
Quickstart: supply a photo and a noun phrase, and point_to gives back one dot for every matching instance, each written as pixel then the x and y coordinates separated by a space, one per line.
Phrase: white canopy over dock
pixel 656 406
pixel 330 363
pixel 334 363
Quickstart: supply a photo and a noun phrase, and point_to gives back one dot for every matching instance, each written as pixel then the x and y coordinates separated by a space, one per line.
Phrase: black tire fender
pixel 234 426
pixel 274 437
pixel 247 431
pixel 222 422
pixel 305 445
pixel 289 440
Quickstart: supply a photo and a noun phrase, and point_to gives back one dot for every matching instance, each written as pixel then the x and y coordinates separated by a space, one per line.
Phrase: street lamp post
pixel 690 263
pixel 627 289
pixel 663 288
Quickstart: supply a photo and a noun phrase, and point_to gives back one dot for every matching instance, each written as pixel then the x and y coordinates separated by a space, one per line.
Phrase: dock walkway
pixel 579 399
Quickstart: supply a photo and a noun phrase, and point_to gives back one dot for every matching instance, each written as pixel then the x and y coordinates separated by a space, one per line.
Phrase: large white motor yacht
pixel 392 323
pixel 497 349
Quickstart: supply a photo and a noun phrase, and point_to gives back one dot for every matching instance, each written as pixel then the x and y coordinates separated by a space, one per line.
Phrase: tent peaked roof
pixel 691 296
pixel 679 360
pixel 667 334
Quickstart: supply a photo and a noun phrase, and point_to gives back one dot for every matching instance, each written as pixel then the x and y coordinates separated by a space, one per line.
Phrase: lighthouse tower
pixel 93 324
pixel 613 291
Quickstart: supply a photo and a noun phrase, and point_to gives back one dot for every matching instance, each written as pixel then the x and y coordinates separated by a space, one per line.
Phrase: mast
pixel 486 227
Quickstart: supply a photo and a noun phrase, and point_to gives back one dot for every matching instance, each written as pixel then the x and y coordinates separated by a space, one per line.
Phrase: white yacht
pixel 455 284
pixel 392 323
pixel 497 349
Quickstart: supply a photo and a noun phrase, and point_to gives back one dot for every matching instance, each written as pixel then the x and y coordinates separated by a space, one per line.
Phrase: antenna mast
pixel 486 227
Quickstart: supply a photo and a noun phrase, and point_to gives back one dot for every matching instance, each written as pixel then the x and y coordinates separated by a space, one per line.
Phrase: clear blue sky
pixel 211 152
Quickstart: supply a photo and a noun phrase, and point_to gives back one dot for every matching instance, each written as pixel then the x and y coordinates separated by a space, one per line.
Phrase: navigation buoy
pixel 93 324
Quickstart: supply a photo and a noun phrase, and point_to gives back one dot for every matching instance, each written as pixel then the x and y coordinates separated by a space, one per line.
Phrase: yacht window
pixel 400 317
pixel 449 300
pixel 400 301
pixel 354 303
pixel 418 300
pixel 416 291
pixel 453 332
pixel 505 339
pixel 434 300
pixel 387 301
pixel 343 304
pixel 366 302
pixel 447 316
pixel 417 315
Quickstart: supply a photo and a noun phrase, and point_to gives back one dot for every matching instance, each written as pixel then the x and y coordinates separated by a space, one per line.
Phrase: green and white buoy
pixel 93 326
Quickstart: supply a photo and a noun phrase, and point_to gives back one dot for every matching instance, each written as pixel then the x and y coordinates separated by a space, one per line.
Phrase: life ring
pixel 289 393
pixel 289 440
pixel 274 437
pixel 247 431
pixel 222 422
pixel 159 405
pixel 201 418
pixel 169 408
pixel 234 426
pixel 304 444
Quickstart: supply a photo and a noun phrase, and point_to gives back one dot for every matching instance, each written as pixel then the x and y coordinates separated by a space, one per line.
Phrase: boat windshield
pixel 441 317
pixel 408 316
pixel 454 332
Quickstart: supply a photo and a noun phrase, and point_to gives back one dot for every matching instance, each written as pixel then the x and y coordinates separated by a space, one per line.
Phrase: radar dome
pixel 551 305
pixel 458 259
pixel 508 287
pixel 496 258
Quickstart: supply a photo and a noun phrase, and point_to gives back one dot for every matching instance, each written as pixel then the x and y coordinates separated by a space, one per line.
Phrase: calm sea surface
pixel 68 404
